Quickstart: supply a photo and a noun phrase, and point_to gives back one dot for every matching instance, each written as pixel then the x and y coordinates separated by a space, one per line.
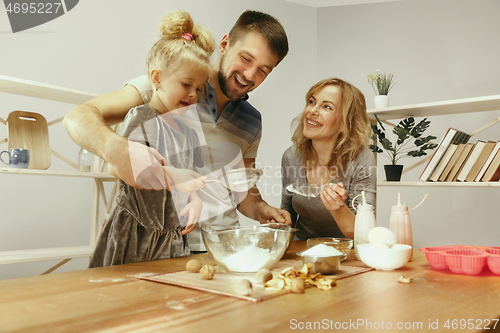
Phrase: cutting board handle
pixel 27 118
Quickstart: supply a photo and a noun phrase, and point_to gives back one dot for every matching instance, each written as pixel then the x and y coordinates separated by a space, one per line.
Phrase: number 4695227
pixel 34 7
pixel 470 324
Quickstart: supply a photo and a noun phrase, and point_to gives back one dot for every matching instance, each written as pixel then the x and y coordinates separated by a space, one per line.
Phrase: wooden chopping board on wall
pixel 29 130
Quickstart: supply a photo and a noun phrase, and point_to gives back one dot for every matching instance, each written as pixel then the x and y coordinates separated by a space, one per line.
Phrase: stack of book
pixel 456 160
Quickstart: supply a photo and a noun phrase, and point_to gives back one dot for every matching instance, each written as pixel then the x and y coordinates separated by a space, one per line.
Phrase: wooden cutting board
pixel 223 282
pixel 29 130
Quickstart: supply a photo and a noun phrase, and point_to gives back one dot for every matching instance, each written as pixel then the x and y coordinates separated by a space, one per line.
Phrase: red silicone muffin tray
pixel 463 259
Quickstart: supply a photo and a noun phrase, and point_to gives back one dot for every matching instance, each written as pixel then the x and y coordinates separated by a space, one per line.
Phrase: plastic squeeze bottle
pixel 364 222
pixel 400 224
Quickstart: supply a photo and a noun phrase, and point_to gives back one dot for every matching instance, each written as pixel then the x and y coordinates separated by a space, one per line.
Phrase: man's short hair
pixel 264 24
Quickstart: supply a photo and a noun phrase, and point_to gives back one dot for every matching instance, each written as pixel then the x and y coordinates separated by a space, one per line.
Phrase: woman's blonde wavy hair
pixel 354 131
pixel 172 49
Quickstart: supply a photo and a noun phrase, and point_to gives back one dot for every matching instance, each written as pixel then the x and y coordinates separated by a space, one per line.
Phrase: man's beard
pixel 224 84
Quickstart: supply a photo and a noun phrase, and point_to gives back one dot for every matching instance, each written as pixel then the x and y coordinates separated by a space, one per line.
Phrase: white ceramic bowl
pixel 385 259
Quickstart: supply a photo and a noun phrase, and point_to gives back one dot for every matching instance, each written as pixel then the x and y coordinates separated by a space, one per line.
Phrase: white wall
pixel 439 50
pixel 96 47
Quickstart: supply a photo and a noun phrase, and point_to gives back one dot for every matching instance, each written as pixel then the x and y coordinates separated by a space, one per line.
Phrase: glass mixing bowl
pixel 246 249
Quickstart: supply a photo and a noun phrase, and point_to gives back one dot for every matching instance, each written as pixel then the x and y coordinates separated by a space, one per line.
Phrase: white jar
pixel 84 160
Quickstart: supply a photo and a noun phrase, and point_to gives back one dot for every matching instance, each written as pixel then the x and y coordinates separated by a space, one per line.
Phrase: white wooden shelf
pixel 438 184
pixel 61 253
pixel 17 86
pixel 103 176
pixel 457 106
pixel 43 91
pixel 443 108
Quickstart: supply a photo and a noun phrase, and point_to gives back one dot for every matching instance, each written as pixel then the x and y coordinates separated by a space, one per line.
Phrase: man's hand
pixel 255 208
pixel 269 214
pixel 140 167
pixel 147 166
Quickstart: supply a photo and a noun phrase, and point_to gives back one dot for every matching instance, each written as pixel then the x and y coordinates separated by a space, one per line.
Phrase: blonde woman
pixel 330 149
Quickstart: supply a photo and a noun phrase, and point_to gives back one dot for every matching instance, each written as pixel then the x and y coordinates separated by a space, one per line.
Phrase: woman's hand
pixel 334 196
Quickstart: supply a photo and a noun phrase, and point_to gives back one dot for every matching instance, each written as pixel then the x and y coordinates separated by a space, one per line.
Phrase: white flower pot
pixel 381 101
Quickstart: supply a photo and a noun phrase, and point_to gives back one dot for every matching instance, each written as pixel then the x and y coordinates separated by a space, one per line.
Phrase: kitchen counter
pixel 113 299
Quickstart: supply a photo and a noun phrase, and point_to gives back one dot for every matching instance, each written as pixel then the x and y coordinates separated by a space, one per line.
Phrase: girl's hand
pixel 184 180
pixel 334 196
pixel 193 208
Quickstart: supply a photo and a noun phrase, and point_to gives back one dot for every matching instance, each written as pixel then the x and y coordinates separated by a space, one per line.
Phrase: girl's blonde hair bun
pixel 177 23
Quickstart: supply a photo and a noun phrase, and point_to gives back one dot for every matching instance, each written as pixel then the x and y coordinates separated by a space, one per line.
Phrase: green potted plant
pixel 381 84
pixel 406 131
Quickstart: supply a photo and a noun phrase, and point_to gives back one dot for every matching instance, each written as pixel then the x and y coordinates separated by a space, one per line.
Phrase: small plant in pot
pixel 406 131
pixel 382 84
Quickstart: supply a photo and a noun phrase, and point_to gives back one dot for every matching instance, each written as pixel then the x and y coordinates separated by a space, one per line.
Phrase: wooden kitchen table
pixel 113 299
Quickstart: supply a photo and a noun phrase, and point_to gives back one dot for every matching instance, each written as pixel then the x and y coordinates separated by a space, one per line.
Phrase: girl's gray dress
pixel 145 224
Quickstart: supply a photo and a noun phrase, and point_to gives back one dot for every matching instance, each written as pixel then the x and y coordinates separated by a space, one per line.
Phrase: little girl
pixel 147 224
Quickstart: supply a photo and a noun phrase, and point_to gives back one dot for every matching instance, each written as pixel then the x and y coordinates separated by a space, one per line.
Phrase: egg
pixel 382 235
pixel 398 246
pixel 379 246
